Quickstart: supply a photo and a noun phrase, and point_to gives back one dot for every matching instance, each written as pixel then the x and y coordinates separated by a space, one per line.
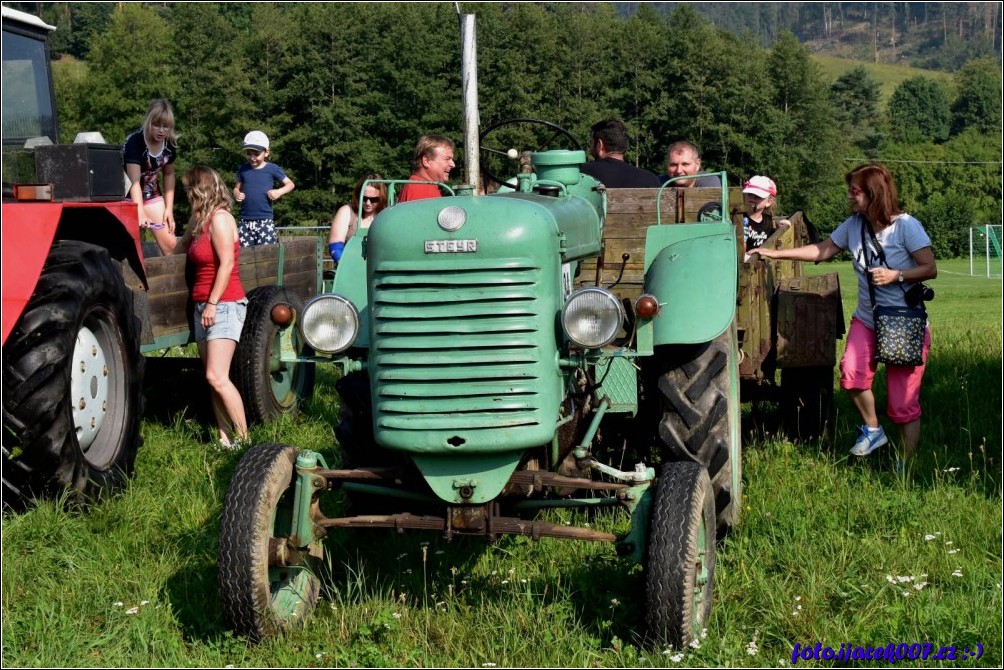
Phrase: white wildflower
pixel 487 665
pixel 397 615
pixel 948 543
pixel 144 602
pixel 505 581
pixel 751 648
pixel 614 602
pixel 920 585
pixel 132 610
pixel 695 643
pixel 957 573
pixel 118 604
pixel 953 551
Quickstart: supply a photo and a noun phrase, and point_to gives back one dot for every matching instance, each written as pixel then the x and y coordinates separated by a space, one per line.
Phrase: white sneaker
pixel 868 441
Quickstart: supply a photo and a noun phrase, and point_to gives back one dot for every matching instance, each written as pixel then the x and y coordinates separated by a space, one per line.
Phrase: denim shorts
pixel 229 321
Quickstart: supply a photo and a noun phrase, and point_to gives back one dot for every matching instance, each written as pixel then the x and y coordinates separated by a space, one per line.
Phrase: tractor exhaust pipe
pixel 469 83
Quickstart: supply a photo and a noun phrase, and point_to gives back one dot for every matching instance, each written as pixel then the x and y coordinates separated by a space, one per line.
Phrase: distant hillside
pixel 888 76
pixel 931 35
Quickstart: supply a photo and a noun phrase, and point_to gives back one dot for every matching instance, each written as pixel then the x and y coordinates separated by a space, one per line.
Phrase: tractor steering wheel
pixel 516 136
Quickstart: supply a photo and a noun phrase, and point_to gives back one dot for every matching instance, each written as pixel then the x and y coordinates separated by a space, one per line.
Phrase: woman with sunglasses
pixel 347 221
pixel 259 184
pixel 902 258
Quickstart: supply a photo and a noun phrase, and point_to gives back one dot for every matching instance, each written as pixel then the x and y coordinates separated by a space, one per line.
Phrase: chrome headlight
pixel 592 317
pixel 330 323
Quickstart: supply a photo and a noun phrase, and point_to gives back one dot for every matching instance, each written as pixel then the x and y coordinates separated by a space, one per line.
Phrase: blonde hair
pixel 161 113
pixel 206 194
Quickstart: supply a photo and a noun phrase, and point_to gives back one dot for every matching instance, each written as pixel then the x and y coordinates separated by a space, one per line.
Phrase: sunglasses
pixel 854 191
pixel 372 201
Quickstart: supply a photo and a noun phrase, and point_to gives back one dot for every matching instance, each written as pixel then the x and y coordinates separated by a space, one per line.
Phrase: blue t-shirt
pixel 256 184
pixel 898 241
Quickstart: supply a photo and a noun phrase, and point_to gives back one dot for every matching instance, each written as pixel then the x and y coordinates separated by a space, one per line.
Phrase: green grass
pixel 887 75
pixel 829 549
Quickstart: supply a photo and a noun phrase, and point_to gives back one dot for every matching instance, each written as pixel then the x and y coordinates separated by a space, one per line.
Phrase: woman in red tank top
pixel 211 243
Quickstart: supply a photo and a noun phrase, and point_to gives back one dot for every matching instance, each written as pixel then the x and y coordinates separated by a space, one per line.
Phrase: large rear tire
pixel 259 596
pixel 700 421
pixel 680 558
pixel 72 381
pixel 269 387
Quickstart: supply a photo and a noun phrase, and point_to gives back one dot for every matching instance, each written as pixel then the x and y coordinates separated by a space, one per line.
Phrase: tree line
pixel 344 89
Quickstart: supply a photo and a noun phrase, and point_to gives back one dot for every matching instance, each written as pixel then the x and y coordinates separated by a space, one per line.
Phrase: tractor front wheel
pixel 680 558
pixel 267 584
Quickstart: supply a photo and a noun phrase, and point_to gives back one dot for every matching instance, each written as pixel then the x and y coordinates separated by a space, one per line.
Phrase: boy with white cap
pixel 758 224
pixel 256 191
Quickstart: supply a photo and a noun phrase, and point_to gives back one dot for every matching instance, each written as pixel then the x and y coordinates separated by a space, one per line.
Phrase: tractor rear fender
pixel 692 270
pixel 31 228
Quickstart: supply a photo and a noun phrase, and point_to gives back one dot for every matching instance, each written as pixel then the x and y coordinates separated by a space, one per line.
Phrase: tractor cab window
pixel 27 91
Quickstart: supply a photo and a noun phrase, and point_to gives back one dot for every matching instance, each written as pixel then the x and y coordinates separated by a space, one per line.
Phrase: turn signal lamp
pixel 647 306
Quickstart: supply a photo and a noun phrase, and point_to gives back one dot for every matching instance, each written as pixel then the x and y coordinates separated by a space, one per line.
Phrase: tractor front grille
pixel 462 350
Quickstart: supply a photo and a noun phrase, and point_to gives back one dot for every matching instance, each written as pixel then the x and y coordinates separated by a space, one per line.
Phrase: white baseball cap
pixel 256 139
pixel 762 187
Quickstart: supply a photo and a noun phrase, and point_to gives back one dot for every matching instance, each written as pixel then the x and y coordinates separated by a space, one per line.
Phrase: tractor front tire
pixel 72 381
pixel 680 557
pixel 260 596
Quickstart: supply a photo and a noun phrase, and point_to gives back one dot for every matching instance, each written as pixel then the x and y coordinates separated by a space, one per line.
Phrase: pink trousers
pixel 857 370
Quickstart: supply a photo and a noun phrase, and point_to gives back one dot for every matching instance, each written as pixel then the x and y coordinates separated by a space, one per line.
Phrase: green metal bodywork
pixel 460 329
pixel 692 270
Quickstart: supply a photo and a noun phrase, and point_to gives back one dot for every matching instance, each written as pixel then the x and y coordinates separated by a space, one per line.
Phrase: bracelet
pixel 214 304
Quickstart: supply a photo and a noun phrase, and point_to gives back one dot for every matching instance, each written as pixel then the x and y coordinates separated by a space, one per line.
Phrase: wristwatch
pixel 901 277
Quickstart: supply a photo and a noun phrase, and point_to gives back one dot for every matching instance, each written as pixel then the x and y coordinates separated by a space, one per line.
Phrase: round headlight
pixel 592 317
pixel 330 323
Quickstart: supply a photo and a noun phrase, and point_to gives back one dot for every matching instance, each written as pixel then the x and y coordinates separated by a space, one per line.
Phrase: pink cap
pixel 760 186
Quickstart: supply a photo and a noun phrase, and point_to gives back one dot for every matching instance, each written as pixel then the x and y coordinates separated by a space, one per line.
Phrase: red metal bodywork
pixel 28 232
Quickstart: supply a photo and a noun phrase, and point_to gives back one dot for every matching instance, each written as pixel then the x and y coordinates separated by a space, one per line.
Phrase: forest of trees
pixel 344 89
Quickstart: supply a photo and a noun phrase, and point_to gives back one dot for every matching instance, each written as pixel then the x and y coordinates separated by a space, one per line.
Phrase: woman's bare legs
pixel 227 404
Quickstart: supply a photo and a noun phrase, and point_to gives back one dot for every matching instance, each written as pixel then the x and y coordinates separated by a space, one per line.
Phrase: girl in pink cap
pixel 758 223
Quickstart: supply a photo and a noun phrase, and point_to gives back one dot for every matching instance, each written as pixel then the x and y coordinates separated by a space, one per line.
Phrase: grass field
pixel 830 549
pixel 888 75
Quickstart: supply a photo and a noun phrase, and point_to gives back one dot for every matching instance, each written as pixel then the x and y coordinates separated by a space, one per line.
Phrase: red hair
pixel 876 182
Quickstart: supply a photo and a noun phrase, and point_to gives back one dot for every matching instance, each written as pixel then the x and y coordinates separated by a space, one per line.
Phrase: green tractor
pixel 485 380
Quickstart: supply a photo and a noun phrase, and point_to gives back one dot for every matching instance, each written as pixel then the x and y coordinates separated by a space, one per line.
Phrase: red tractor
pixel 81 304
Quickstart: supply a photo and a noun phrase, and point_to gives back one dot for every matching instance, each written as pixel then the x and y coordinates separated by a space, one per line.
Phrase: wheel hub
pixel 88 387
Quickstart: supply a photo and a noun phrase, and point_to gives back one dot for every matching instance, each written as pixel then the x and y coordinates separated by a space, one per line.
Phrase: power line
pixel 890 160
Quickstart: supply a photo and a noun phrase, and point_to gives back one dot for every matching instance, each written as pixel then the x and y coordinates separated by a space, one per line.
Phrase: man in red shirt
pixel 433 162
